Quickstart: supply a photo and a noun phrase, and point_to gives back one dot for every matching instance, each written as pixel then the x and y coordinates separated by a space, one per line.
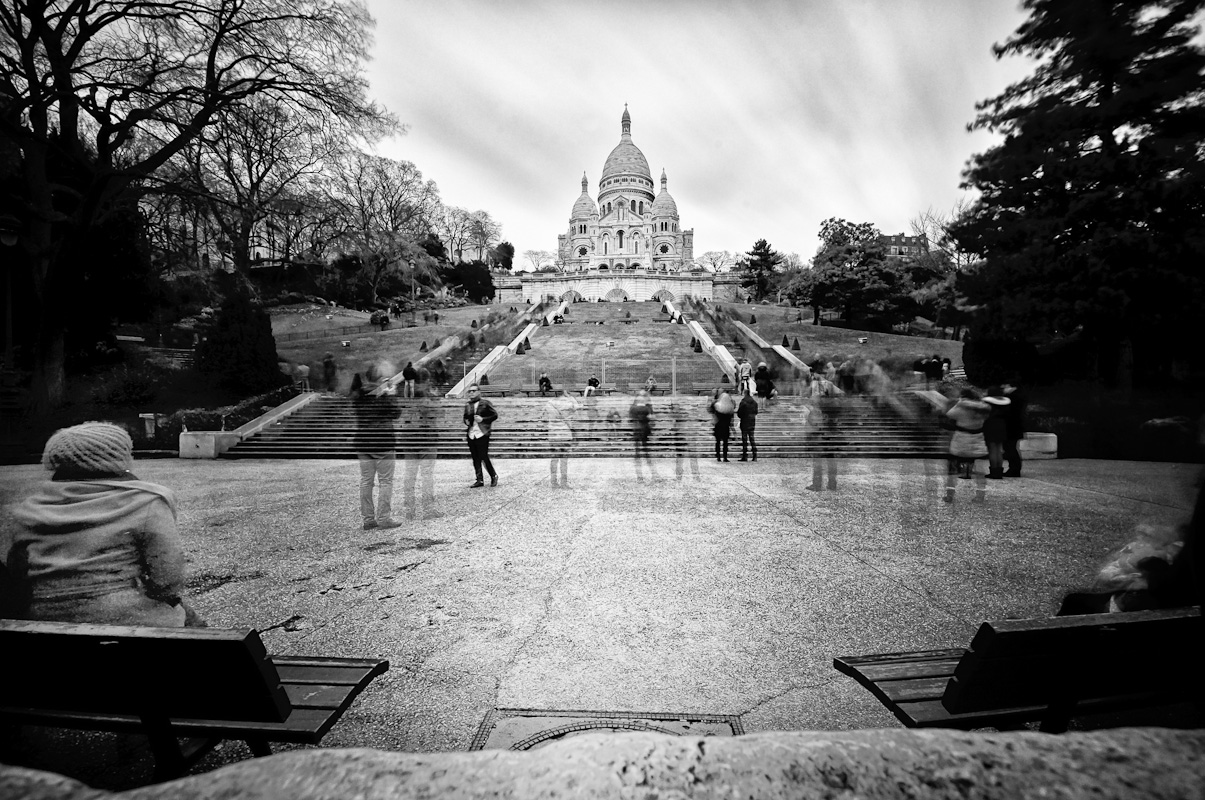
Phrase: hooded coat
pixel 102 550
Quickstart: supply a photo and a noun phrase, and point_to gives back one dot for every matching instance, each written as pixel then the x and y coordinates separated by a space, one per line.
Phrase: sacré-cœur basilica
pixel 629 245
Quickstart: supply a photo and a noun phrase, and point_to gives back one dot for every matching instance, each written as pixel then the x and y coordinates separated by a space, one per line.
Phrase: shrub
pixel 128 386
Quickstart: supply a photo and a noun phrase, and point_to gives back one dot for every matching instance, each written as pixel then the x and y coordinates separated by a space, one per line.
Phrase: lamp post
pixel 413 323
pixel 10 227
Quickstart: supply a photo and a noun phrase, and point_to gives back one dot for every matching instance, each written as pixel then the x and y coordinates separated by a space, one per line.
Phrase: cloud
pixel 768 117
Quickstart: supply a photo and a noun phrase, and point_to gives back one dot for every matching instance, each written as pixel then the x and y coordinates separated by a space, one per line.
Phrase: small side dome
pixel 585 206
pixel 664 205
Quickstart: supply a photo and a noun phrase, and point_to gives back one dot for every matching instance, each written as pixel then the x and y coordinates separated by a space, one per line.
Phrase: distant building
pixel 627 245
pixel 904 246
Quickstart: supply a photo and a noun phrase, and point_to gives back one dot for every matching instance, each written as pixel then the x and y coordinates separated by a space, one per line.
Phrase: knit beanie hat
pixel 91 448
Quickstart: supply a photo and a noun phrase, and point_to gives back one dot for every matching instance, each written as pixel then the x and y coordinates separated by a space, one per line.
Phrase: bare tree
pixel 716 260
pixel 248 165
pixel 101 94
pixel 537 258
pixel 453 224
pixel 483 232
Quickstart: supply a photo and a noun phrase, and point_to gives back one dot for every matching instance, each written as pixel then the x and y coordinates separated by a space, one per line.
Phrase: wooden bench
pixel 169 683
pixel 704 388
pixel 1042 670
pixel 530 391
pixel 495 391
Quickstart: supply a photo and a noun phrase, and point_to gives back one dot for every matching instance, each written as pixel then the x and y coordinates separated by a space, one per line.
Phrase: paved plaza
pixel 728 593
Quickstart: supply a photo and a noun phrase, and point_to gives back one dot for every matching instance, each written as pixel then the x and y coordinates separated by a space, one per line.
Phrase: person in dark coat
pixel 995 431
pixel 1014 423
pixel 410 376
pixel 722 408
pixel 479 416
pixel 641 414
pixel 764 385
pixel 747 412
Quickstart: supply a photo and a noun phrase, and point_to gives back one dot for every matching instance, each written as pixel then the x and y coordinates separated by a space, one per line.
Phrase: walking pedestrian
pixel 479 416
pixel 825 418
pixel 330 372
pixel 374 403
pixel 560 412
pixel 641 414
pixel 747 411
pixel 410 376
pixel 764 385
pixel 967 443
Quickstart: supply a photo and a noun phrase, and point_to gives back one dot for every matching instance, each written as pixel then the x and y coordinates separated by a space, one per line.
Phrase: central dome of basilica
pixel 626 158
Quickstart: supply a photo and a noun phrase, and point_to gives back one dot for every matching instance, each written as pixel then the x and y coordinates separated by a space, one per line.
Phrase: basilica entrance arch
pixel 573 296
pixel 661 295
pixel 616 296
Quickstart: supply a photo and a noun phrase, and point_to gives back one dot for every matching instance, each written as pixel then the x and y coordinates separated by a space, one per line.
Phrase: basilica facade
pixel 628 244
pixel 629 226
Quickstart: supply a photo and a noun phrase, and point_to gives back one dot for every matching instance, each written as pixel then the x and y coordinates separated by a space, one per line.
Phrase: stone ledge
pixel 1124 763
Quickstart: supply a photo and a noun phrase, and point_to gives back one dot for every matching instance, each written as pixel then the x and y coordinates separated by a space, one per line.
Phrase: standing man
pixel 479 416
pixel 1014 429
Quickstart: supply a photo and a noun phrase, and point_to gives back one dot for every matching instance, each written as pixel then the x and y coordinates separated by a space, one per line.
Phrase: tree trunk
pixel 48 383
pixel 815 315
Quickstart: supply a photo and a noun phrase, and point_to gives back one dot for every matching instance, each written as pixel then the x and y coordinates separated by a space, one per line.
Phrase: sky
pixel 767 117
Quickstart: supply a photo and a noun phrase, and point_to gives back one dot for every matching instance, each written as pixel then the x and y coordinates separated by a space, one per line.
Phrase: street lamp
pixel 10 228
pixel 413 322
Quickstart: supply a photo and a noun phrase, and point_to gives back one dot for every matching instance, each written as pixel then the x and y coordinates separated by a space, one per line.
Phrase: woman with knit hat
pixel 98 545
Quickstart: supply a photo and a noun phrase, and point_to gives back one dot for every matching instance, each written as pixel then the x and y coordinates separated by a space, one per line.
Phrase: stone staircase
pixel 896 427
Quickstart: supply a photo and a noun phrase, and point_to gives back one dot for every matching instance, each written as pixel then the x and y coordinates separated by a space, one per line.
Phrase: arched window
pixel 642 207
pixel 635 245
pixel 620 245
pixel 605 247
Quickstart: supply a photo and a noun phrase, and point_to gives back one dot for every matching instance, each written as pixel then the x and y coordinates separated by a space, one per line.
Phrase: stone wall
pixel 1129 763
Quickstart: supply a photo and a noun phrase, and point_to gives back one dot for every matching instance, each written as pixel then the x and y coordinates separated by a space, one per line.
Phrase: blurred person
pixel 96 544
pixel 967 443
pixel 641 414
pixel 995 431
pixel 303 377
pixel 545 384
pixel 559 413
pixel 683 454
pixel 374 403
pixel 825 416
pixel 592 385
pixel 747 412
pixel 419 456
pixel 479 417
pixel 722 408
pixel 650 385
pixel 330 372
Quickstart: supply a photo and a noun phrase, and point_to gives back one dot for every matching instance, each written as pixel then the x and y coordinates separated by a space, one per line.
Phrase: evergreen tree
pixel 759 273
pixel 239 349
pixel 1091 214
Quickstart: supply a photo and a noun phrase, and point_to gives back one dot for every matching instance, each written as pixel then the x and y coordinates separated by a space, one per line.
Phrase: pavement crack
pixel 794 687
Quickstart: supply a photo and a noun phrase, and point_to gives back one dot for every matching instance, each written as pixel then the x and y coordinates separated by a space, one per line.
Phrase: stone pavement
pixel 725 594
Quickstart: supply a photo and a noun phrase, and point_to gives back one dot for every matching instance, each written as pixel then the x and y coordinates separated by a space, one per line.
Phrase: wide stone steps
pixel 326 428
